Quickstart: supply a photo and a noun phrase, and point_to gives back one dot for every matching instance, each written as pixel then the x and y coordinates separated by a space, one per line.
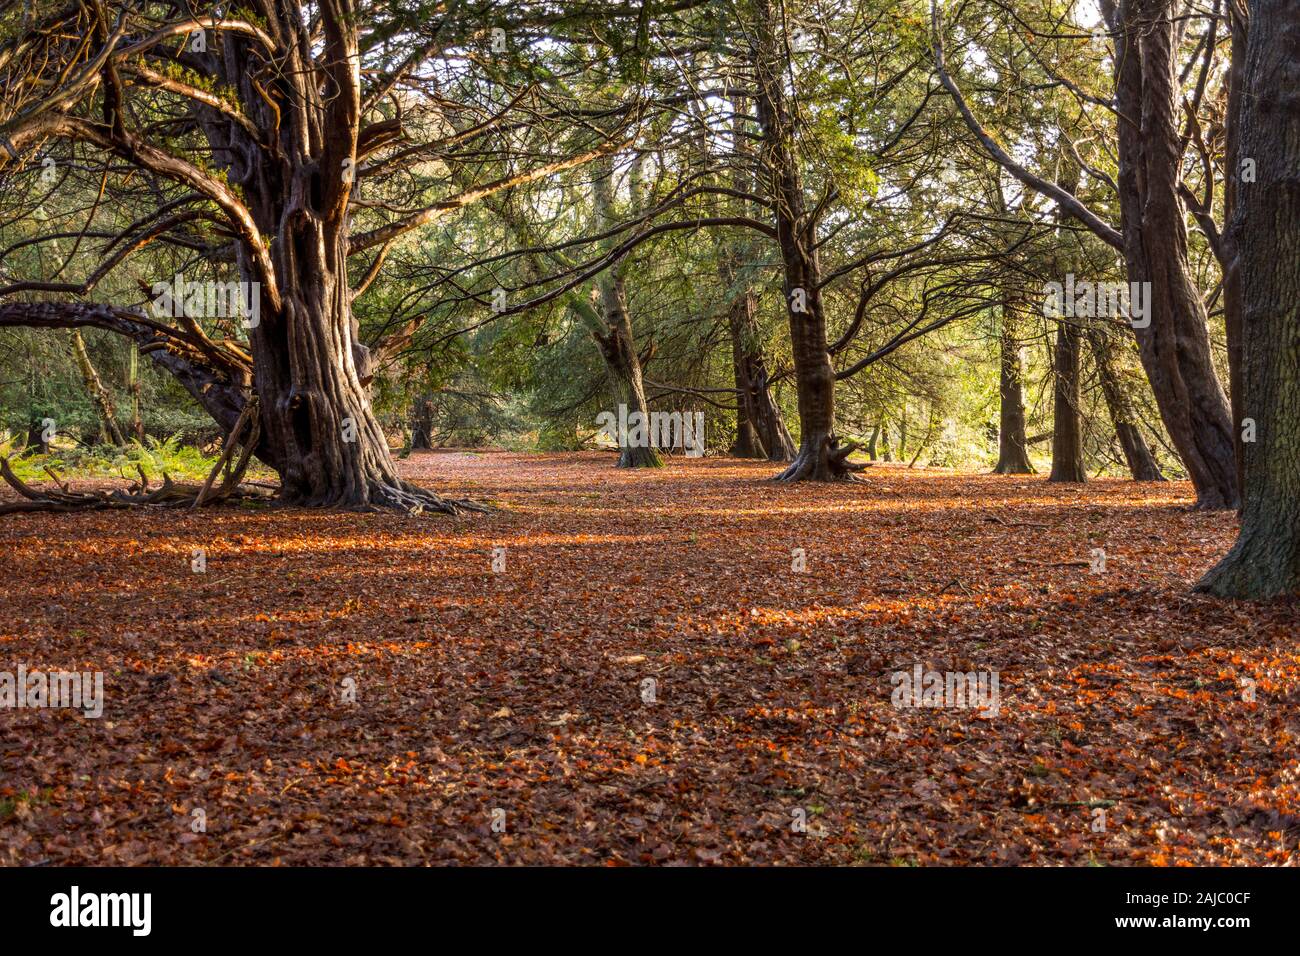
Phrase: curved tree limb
pixel 1067 200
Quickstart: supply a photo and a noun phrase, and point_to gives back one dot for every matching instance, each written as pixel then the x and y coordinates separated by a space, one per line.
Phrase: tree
pixel 1142 464
pixel 1067 356
pixel 1174 345
pixel 1067 421
pixel 262 117
pixel 1265 231
pixel 1013 451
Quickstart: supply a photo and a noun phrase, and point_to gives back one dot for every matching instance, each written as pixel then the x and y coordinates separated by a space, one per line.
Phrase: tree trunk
pixel 617 344
pixel 316 414
pixel 1175 347
pixel 1142 464
pixel 36 443
pixel 820 456
pixel 110 431
pixel 625 370
pixel 760 429
pixel 1265 227
pixel 1067 422
pixel 422 423
pixel 748 443
pixel 133 383
pixel 1231 267
pixel 1013 453
pixel 311 373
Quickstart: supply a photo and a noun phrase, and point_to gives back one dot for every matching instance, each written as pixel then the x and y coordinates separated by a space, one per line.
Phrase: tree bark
pixel 1265 227
pixel 1141 463
pixel 1013 451
pixel 820 456
pixel 1067 422
pixel 1175 347
pixel 617 342
pixel 422 423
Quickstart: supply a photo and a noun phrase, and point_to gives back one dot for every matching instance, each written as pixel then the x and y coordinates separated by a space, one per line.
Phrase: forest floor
pixel 647 680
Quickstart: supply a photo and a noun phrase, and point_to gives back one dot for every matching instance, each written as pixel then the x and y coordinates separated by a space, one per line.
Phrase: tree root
pixel 415 500
pixel 826 460
pixel 392 494
pixel 169 495
pixel 251 419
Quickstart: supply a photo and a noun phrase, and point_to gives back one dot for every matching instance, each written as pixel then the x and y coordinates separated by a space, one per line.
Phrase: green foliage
pixel 155 458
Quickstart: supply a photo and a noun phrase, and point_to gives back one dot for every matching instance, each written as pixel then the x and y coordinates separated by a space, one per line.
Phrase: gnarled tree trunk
pixel 311 373
pixel 1175 347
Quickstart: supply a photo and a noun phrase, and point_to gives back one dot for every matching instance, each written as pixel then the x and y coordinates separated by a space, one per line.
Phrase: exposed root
pixel 251 420
pixel 381 495
pixel 840 456
pixel 824 460
pixel 403 496
pixel 414 500
pixel 169 495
